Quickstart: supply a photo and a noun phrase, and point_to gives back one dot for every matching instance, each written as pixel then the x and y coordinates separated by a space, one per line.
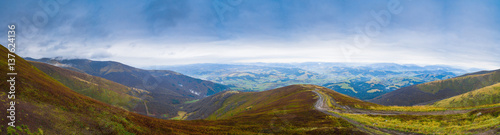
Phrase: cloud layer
pixel 166 32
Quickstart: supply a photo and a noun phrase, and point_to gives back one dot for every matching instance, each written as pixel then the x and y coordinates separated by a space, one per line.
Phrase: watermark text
pixel 11 62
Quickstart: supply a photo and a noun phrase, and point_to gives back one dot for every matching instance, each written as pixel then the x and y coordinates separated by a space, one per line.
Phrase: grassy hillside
pixel 95 87
pixel 437 90
pixel 158 81
pixel 483 96
pixel 415 119
pixel 485 121
pixel 167 88
pixel 462 84
pixel 201 109
pixel 287 109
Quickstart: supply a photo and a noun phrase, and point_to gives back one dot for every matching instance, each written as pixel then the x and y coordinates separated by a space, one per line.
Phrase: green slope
pixel 483 96
pixel 293 98
pixel 95 87
pixel 462 84
pixel 46 106
pixel 437 90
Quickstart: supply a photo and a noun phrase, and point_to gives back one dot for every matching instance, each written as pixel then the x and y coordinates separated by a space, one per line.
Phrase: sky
pixel 461 33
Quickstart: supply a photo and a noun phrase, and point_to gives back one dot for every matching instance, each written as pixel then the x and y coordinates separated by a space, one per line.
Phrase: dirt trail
pixel 321 106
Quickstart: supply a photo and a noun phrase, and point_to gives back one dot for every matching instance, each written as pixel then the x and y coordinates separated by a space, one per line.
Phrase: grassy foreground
pixel 474 119
pixel 470 123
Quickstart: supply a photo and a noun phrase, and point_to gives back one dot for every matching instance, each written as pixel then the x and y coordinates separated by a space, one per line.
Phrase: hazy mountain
pixel 363 81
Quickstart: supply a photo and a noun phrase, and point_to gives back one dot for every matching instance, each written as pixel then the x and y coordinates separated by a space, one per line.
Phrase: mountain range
pixel 363 81
pixel 57 96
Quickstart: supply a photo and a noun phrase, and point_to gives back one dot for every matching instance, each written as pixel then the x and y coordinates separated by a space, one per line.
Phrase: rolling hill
pixel 167 89
pixel 233 103
pixel 95 87
pixel 430 92
pixel 249 77
pixel 482 96
pixel 286 108
pixel 46 106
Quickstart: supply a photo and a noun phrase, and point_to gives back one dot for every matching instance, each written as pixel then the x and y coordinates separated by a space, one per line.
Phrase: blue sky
pixel 462 33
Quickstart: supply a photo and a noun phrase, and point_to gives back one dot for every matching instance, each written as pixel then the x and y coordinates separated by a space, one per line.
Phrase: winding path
pixel 322 106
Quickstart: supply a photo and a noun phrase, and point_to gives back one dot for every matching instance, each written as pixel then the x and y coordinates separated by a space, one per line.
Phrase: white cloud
pixel 457 33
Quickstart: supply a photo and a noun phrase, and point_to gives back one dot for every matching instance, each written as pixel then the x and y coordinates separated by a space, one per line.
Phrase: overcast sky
pixel 462 33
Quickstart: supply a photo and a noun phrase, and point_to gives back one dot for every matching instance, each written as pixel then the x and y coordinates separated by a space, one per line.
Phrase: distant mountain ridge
pixel 363 81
